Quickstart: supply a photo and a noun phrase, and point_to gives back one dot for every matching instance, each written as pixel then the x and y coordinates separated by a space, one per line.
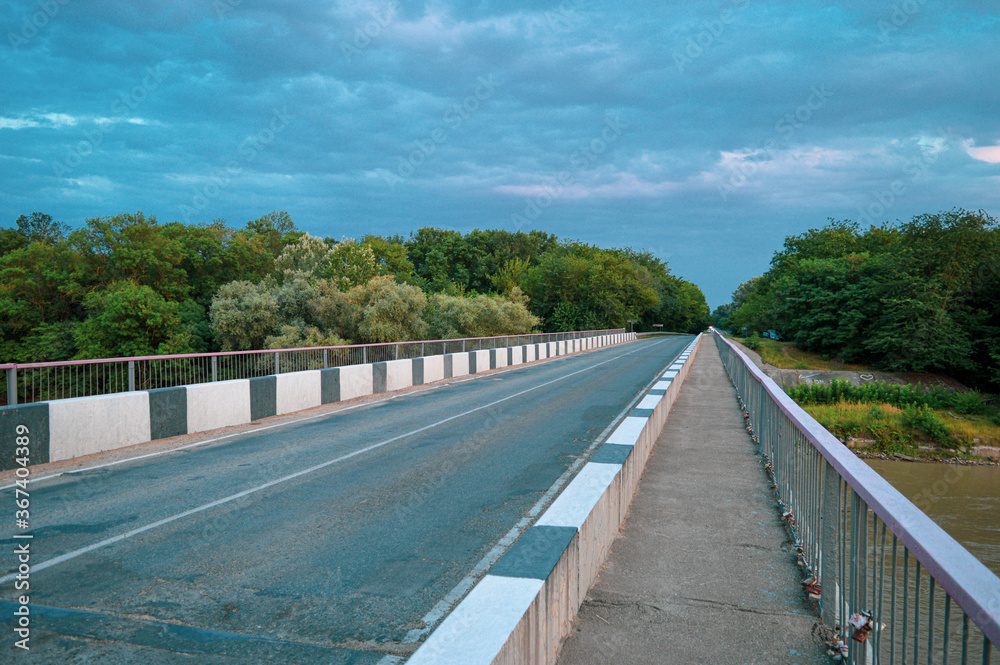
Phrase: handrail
pixel 961 575
pixel 46 381
pixel 175 356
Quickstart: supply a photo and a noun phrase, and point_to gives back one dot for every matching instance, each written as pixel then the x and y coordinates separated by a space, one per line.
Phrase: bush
pixel 478 316
pixel 379 311
pixel 753 342
pixel 923 419
pixel 934 397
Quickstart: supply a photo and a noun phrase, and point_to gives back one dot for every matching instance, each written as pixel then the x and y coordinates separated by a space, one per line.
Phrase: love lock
pixel 862 624
pixel 838 651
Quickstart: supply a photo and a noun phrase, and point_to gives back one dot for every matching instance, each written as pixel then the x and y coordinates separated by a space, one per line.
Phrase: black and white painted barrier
pixel 521 611
pixel 69 428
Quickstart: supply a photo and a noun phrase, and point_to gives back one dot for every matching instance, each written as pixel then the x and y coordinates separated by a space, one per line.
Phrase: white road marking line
pixel 253 490
pixel 452 598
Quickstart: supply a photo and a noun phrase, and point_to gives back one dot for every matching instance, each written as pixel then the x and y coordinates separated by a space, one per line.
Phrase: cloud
pixel 989 154
pixel 911 106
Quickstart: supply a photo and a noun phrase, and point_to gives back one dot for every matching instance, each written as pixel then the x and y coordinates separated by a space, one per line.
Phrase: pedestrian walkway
pixel 703 570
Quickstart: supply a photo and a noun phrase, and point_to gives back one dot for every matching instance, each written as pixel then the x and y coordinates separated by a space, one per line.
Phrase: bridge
pixel 466 505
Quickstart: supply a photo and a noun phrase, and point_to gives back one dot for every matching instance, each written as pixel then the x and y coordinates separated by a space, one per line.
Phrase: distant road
pixel 338 539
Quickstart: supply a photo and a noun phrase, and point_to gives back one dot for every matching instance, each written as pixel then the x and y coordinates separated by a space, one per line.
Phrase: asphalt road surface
pixel 342 538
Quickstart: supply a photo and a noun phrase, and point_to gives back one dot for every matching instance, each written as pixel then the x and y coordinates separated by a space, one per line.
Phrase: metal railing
pixel 891 582
pixel 39 382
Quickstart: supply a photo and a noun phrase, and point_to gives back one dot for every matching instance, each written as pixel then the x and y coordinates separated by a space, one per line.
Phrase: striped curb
pixel 69 428
pixel 521 611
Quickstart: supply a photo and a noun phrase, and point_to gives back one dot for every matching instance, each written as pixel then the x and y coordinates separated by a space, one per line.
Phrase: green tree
pixel 577 286
pixel 479 316
pixel 442 258
pixel 40 298
pixel 379 311
pixel 39 227
pixel 133 248
pixel 274 230
pixel 350 264
pixel 130 319
pixel 243 315
pixel 918 296
pixel 390 255
pixel 307 257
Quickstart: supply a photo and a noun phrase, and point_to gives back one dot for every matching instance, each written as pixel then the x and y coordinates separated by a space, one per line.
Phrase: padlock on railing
pixel 862 624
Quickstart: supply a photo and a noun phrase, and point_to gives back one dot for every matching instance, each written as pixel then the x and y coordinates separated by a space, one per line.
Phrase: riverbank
pixel 900 457
pixel 883 415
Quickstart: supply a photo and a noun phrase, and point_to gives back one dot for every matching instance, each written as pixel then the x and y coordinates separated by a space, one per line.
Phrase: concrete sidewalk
pixel 703 570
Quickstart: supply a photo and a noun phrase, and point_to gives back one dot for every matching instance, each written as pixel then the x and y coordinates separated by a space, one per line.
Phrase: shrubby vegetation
pixel 128 285
pixel 880 392
pixel 921 296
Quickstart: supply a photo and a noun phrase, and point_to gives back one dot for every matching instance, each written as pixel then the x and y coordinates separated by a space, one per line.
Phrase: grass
pixel 969 402
pixel 902 430
pixel 784 355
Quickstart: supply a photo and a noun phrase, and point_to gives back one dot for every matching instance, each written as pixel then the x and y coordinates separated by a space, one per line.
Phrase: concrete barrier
pixel 34 421
pixel 479 361
pixel 428 370
pixel 215 405
pixel 498 358
pixel 343 383
pixel 392 375
pixel 515 355
pixel 298 391
pixel 520 612
pixel 456 364
pixel 167 412
pixel 69 428
pixel 263 397
pixel 88 425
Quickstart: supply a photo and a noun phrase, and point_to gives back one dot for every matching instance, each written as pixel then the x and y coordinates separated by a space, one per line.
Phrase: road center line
pixel 298 474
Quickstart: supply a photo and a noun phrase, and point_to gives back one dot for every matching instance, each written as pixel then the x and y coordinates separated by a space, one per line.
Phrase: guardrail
pixel 892 583
pixel 38 382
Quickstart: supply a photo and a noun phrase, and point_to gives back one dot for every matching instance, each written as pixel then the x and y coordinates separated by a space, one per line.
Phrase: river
pixel 964 500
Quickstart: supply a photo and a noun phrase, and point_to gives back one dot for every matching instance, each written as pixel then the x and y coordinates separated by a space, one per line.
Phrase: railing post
pixel 397 351
pixel 215 368
pixel 829 542
pixel 421 349
pixel 131 376
pixel 859 563
pixel 12 386
pixel 277 363
pixel 463 346
pixel 364 355
pixel 325 361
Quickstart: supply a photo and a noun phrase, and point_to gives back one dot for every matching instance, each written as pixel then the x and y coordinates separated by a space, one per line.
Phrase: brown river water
pixel 963 500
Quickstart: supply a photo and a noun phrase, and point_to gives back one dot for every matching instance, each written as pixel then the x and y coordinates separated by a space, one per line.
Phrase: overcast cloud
pixel 704 132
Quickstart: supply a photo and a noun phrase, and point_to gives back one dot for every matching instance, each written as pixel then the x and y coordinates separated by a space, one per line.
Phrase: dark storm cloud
pixel 734 123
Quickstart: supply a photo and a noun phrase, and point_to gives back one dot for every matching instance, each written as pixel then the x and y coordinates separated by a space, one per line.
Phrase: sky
pixel 703 132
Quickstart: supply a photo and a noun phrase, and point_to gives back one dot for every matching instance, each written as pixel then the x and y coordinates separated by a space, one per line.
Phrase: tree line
pixel 918 296
pixel 128 285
